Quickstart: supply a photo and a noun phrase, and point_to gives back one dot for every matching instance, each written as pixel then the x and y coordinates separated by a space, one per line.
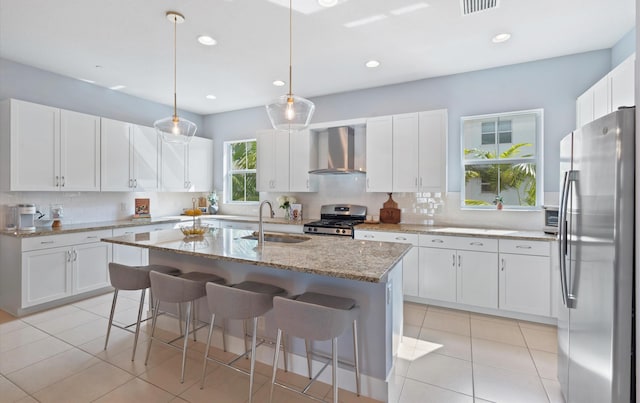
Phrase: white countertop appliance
pixel 337 219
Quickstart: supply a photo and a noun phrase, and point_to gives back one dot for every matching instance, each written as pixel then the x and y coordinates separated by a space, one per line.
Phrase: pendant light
pixel 290 112
pixel 174 129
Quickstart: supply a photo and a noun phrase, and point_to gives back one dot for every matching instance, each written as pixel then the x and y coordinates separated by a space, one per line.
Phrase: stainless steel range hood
pixel 340 153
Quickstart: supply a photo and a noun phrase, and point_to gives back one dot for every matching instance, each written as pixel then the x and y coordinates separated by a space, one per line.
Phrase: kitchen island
pixel 369 272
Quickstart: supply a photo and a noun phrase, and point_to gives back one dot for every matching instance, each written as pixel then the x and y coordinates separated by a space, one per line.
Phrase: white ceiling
pixel 132 41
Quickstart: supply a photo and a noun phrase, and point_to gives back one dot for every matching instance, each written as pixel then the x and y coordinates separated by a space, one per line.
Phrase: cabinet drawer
pixel 54 241
pixel 522 247
pixel 142 228
pixel 382 236
pixel 437 241
pixel 477 244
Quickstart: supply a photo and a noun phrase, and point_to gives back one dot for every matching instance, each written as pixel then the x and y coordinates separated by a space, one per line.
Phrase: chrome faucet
pixel 260 229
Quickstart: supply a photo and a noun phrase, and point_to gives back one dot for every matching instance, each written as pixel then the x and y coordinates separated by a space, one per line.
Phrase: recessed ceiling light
pixel 501 38
pixel 87 81
pixel 207 40
pixel 117 87
pixel 211 96
pixel 365 21
pixel 279 83
pixel 372 64
pixel 327 3
pixel 409 9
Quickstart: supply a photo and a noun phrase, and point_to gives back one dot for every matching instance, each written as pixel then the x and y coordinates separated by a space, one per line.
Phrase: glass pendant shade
pixel 290 112
pixel 175 130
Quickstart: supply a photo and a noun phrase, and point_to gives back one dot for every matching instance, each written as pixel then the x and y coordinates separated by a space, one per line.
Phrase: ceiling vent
pixel 475 6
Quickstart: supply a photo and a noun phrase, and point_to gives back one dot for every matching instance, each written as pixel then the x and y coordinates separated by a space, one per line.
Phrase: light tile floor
pixel 446 356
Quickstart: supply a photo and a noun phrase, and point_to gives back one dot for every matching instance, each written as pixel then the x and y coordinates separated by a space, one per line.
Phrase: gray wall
pixel 625 47
pixel 552 84
pixel 31 84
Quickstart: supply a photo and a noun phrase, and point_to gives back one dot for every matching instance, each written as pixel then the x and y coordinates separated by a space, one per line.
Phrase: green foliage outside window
pixel 241 172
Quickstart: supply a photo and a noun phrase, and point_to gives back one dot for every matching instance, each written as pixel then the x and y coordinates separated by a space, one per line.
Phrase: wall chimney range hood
pixel 340 153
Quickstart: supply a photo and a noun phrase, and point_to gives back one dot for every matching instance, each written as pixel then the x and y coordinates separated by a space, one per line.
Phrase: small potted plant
pixel 498 201
pixel 285 203
pixel 213 201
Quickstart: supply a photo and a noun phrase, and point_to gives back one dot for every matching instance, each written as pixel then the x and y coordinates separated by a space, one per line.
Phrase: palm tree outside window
pixel 240 171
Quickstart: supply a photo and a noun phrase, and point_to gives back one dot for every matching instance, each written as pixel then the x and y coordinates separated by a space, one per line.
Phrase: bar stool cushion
pixel 183 288
pixel 125 277
pixel 262 288
pixel 238 303
pixel 312 321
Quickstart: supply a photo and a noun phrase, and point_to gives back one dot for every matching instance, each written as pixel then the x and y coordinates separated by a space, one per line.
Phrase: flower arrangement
pixel 213 197
pixel 285 203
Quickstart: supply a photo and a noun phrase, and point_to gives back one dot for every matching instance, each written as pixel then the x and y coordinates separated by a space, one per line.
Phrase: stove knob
pixel 337 231
pixel 343 231
pixel 315 230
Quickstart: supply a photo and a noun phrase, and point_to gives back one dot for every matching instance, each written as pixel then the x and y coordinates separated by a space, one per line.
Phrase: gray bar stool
pixel 314 316
pixel 132 278
pixel 187 287
pixel 242 301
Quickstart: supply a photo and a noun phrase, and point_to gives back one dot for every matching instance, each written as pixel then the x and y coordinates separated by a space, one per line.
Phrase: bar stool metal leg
pixel 308 351
pixel 253 357
pixel 195 318
pixel 186 340
pixel 275 364
pixel 135 338
pixel 244 338
pixel 334 373
pixel 156 308
pixel 206 351
pixel 355 355
pixel 113 309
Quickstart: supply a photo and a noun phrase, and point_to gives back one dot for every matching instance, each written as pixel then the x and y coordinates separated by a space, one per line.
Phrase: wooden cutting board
pixel 390 213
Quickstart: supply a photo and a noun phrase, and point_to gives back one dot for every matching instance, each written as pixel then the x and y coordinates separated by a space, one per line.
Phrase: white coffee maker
pixel 25 215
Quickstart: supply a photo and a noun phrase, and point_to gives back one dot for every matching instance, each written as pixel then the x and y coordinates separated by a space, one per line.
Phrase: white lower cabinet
pixel 410 261
pixel 58 266
pixel 525 277
pixel 459 269
pixel 131 255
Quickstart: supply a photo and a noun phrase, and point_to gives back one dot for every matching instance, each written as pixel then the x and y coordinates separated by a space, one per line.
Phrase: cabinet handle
pixel 62 182
pixel 46 242
pixel 421 181
pixel 401 238
pixel 92 237
pixel 75 255
pixel 130 183
pixel 523 246
pixel 476 243
pixel 416 181
pixel 459 261
pixel 57 181
pixel 437 241
pixel 369 236
pixel 135 183
pixel 453 260
pixel 68 256
pixel 503 264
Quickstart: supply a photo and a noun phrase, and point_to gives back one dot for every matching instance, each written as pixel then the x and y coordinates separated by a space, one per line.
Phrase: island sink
pixel 282 238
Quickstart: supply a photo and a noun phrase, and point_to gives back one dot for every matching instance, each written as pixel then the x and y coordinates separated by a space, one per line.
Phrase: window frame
pixel 538 159
pixel 229 172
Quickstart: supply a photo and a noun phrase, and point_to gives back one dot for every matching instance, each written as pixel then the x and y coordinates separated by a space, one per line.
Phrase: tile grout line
pixel 534 364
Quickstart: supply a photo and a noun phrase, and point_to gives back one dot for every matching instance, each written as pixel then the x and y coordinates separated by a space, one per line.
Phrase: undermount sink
pixel 282 238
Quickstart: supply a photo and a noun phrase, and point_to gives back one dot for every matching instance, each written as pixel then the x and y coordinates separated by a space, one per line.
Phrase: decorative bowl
pixel 194 230
pixel 43 223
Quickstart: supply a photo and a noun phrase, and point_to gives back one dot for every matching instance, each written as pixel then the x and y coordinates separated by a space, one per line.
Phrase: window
pixel 502 160
pixel 240 175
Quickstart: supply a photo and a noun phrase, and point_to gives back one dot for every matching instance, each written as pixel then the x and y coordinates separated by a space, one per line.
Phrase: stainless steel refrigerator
pixel 596 241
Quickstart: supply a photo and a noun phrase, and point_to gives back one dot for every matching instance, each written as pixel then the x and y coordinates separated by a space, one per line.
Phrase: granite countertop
pixel 244 218
pixel 458 231
pixel 340 257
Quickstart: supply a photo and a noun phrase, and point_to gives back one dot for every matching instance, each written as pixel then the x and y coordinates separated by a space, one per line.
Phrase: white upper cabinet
pixel 614 90
pixel 303 157
pixel 419 150
pixel 48 149
pixel 187 167
pixel 379 157
pixel 406 153
pixel 129 157
pixel 273 161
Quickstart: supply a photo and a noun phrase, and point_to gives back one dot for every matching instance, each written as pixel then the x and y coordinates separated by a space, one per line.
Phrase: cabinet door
pixel 601 98
pixel 622 84
pixel 410 272
pixel 405 153
pixel 145 142
pixel 281 161
pixel 379 154
pixel 46 275
pixel 302 158
pixel 115 157
pixel 265 166
pixel 438 274
pixel 173 174
pixel 432 174
pixel 478 278
pixel 525 284
pixel 35 146
pixel 90 266
pixel 200 165
pixel 584 108
pixel 79 151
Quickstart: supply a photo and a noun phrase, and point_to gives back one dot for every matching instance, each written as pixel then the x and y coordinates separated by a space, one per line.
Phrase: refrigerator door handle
pixel 569 177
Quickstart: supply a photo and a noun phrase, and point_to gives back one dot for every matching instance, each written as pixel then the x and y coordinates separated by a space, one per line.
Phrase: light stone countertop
pixel 333 256
pixel 459 231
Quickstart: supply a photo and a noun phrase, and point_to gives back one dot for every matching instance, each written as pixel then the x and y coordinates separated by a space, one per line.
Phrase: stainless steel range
pixel 337 219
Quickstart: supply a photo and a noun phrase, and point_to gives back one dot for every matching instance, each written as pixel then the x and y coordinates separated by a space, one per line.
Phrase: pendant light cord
pixel 175 67
pixel 290 46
